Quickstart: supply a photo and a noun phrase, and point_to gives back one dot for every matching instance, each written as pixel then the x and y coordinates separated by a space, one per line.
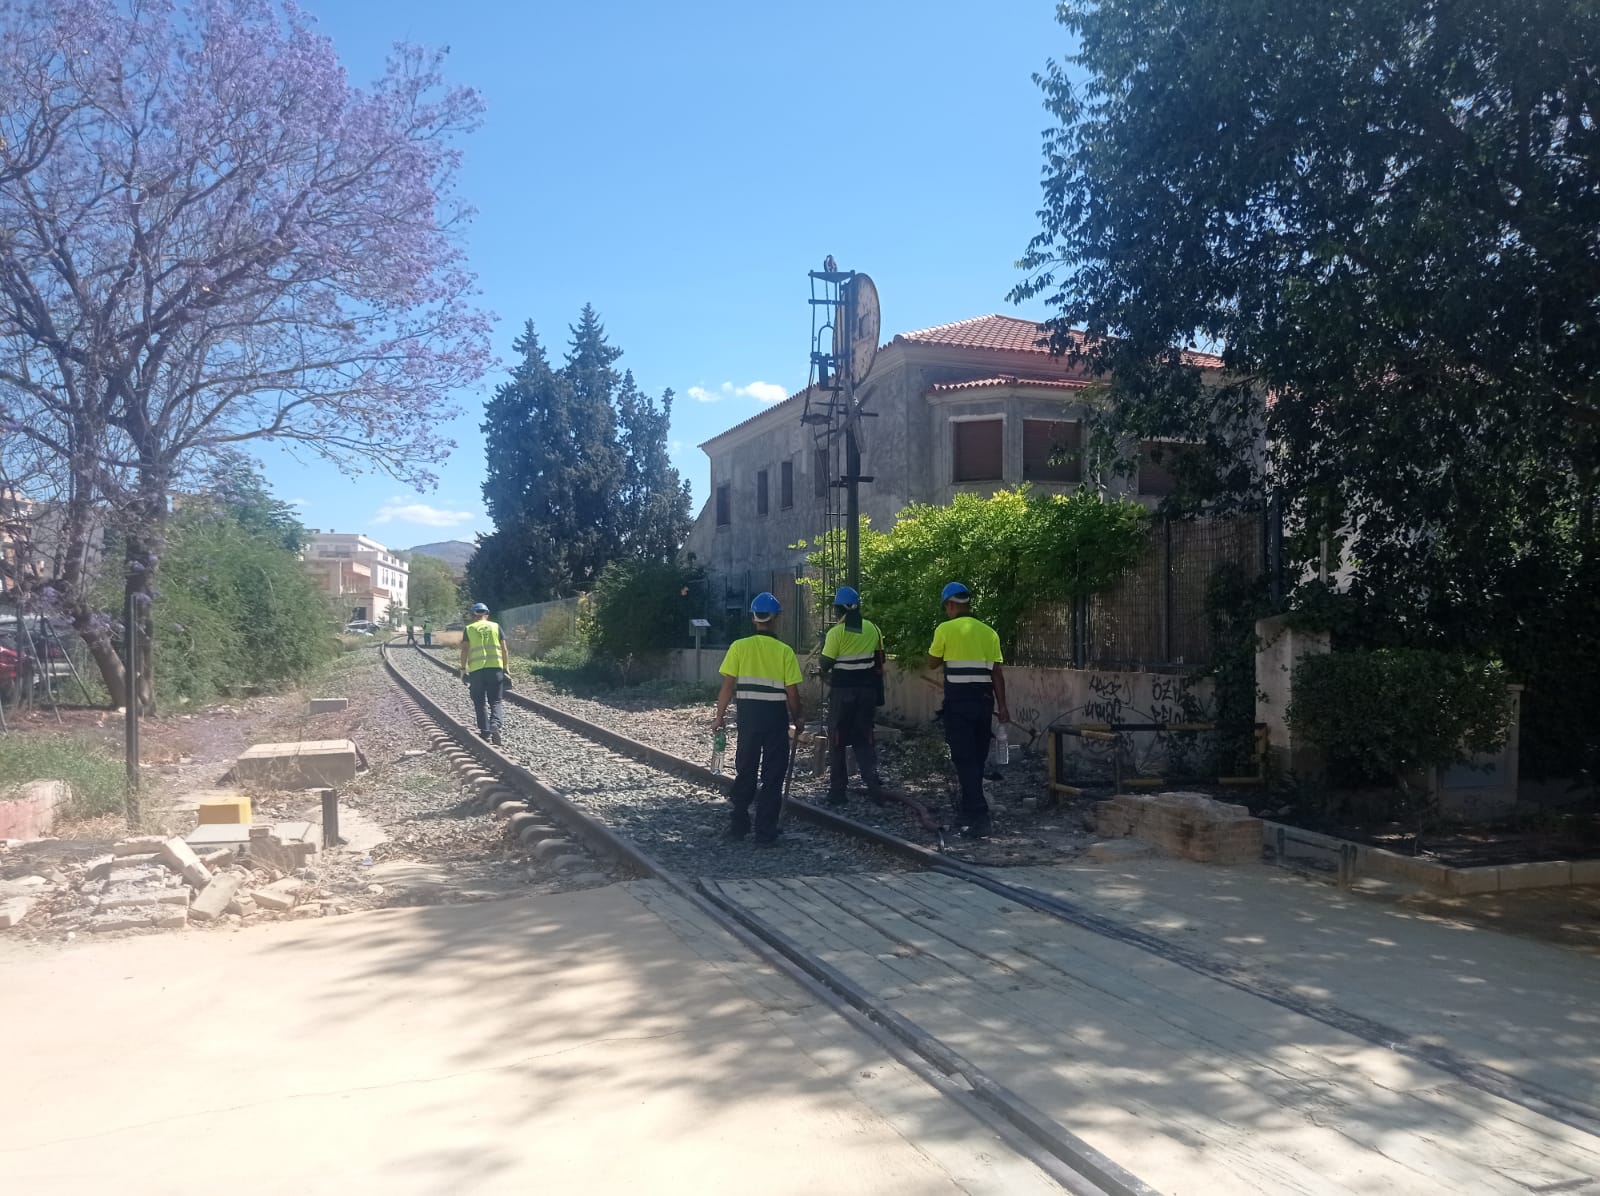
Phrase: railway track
pixel 1083 1165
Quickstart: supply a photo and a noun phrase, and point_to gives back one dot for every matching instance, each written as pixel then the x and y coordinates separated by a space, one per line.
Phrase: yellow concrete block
pixel 231 809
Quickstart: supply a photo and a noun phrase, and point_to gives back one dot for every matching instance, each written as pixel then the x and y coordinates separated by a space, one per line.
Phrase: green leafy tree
pixel 236 483
pixel 1383 214
pixel 1015 550
pixel 431 590
pixel 577 473
pixel 637 611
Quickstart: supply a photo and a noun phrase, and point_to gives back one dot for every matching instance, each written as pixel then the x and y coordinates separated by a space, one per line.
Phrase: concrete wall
pixel 1279 648
pixel 30 813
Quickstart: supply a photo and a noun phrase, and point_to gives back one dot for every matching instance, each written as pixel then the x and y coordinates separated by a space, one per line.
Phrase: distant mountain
pixel 455 553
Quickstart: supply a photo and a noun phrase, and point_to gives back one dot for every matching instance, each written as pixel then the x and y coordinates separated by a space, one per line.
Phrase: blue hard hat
pixel 845 596
pixel 765 604
pixel 479 608
pixel 955 590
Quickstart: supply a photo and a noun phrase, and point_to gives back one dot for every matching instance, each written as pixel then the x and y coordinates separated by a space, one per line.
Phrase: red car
pixel 16 681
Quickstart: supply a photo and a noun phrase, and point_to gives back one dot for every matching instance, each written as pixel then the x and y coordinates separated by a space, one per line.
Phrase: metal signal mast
pixel 845 323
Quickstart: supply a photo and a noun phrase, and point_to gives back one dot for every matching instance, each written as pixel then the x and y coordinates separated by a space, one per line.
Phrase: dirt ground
pixel 412 836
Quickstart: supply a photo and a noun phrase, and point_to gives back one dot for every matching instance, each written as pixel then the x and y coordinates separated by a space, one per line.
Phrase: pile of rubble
pixel 153 882
pixel 1189 826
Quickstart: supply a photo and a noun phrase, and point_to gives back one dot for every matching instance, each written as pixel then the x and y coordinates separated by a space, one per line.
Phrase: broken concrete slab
pixel 14 909
pixel 139 845
pixel 306 764
pixel 127 897
pixel 155 918
pixel 213 900
pixel 180 857
pixel 242 906
pixel 328 705
pixel 280 895
pixel 286 846
pixel 218 835
pixel 218 859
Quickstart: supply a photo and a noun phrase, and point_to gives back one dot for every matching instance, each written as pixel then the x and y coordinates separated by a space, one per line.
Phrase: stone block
pixel 30 813
pixel 281 895
pixel 180 857
pixel 242 907
pixel 131 897
pixel 139 845
pixel 224 809
pixel 14 909
pixel 1541 875
pixel 219 859
pixel 213 900
pixel 311 909
pixel 161 917
pixel 1586 872
pixel 551 847
pixel 328 705
pixel 307 764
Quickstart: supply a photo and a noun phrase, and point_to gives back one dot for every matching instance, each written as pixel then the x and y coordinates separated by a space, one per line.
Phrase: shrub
pixel 554 630
pixel 637 611
pixel 1016 550
pixel 1379 716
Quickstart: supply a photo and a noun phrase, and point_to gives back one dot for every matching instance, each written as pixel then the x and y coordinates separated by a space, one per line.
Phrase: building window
pixel 761 492
pixel 978 450
pixel 724 505
pixel 786 485
pixel 819 473
pixel 1157 466
pixel 1052 450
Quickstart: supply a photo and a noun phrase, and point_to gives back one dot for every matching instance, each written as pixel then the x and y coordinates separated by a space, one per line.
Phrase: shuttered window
pixel 724 505
pixel 1052 450
pixel 786 485
pixel 978 450
pixel 1157 459
pixel 761 492
pixel 819 473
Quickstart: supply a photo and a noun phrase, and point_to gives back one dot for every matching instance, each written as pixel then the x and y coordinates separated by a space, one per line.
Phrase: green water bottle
pixel 719 745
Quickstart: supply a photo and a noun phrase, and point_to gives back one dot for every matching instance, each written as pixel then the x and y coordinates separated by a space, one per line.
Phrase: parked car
pixel 17 676
pixel 361 627
pixel 455 626
pixel 46 644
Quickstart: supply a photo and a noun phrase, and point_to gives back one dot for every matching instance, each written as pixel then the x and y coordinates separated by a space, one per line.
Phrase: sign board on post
pixel 698 627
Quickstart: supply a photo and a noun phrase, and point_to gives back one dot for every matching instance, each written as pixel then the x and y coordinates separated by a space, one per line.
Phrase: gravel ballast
pixel 677 821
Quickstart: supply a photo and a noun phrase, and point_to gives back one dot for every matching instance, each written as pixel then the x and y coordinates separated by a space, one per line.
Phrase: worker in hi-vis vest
pixel 761 673
pixel 852 664
pixel 974 693
pixel 484 664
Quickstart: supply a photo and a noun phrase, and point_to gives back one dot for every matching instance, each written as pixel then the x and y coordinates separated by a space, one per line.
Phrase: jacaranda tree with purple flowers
pixel 209 236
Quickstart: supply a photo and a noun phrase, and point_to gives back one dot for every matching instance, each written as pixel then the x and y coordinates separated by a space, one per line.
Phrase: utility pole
pixel 130 639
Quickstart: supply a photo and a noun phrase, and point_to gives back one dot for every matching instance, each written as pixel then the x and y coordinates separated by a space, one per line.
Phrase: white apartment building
pixel 366 578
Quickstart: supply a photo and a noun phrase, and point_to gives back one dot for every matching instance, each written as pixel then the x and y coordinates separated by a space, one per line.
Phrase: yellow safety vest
pixel 854 653
pixel 970 649
pixel 483 641
pixel 763 666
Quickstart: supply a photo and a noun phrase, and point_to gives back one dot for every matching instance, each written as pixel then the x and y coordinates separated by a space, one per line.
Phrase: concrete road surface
pixel 593 1042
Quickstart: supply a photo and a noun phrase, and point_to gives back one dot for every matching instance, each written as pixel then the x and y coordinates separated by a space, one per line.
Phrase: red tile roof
pixel 982 332
pixel 1009 380
pixel 1009 334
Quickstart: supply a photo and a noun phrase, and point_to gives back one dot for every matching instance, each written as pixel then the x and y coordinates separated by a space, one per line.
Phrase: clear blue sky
pixel 682 166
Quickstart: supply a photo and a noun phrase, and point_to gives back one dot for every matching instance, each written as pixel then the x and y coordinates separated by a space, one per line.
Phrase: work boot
pixel 494 738
pixel 974 830
pixel 836 800
pixel 772 840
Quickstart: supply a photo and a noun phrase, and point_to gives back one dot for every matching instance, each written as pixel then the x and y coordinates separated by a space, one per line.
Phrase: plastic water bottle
pixel 1002 749
pixel 719 746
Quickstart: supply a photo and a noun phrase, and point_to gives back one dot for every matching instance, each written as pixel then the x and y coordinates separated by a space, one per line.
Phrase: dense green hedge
pixel 1380 715
pixel 1015 550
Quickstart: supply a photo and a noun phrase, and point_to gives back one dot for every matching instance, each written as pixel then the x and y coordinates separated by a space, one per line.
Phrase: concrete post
pixel 1279 648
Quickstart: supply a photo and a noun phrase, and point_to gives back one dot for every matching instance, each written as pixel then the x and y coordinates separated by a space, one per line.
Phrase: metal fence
pixel 1155 616
pixel 534 629
pixel 724 599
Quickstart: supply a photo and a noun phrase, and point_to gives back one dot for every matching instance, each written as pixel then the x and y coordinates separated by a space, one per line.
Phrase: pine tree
pixel 655 500
pixel 577 473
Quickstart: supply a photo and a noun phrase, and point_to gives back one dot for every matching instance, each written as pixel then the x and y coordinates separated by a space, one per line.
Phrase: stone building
pixel 973 406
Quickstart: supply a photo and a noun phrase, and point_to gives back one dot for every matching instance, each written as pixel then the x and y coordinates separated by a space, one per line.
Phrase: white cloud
pixel 762 392
pixel 299 502
pixel 395 511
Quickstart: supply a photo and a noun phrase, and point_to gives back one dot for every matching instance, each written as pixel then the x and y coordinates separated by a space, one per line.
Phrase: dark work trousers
pixel 763 747
pixel 851 712
pixel 967 719
pixel 488 688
